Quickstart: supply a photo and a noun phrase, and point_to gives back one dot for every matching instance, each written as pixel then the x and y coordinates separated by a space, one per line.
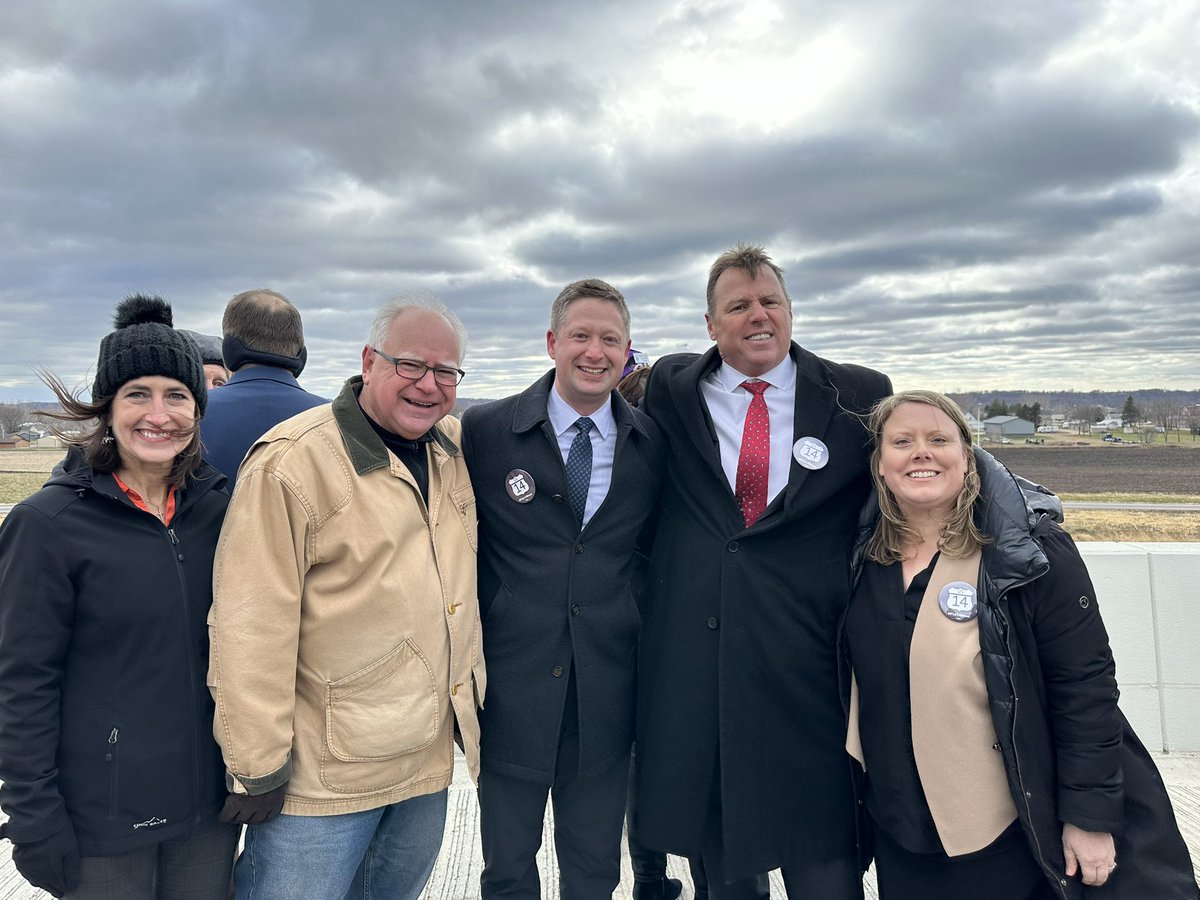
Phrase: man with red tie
pixel 741 727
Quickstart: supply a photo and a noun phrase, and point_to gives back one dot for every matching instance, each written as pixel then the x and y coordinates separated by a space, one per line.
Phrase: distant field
pixel 32 460
pixel 1157 473
pixel 24 471
pixel 1125 469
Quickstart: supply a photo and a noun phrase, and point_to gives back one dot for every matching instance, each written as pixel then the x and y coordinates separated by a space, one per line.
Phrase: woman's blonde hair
pixel 959 536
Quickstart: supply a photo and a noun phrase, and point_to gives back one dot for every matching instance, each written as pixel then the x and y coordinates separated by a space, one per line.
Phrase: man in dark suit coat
pixel 741 756
pixel 263 346
pixel 560 619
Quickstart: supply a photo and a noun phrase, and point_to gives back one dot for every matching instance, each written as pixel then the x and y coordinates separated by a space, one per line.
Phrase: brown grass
pixel 34 459
pixel 1131 525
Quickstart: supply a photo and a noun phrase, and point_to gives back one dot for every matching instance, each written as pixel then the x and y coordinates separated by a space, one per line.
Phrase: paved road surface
pixel 456 876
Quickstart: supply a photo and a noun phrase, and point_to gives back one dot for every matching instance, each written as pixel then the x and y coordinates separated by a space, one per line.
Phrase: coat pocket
pixel 463 499
pixel 112 760
pixel 388 709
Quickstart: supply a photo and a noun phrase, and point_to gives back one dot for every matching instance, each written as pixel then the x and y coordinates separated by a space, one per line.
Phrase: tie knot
pixel 583 424
pixel 755 387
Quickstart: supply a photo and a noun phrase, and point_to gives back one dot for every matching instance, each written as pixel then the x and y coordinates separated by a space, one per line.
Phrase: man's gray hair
pixel 417 300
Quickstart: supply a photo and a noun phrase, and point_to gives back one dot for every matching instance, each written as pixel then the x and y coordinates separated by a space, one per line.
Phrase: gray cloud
pixel 961 196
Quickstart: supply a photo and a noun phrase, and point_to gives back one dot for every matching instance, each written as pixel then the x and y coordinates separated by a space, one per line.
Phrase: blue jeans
pixel 380 854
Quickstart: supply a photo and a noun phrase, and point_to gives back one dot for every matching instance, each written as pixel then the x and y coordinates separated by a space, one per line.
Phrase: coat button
pixel 574 609
pixel 557 498
pixel 733 547
pixel 712 622
pixel 579 548
pixel 453 690
pixel 452 607
pixel 557 671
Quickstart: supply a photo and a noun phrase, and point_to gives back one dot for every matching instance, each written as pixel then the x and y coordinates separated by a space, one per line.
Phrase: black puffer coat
pixel 105 717
pixel 1069 753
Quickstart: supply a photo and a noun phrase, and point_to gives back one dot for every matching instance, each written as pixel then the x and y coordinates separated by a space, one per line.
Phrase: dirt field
pixel 1095 470
pixel 1122 470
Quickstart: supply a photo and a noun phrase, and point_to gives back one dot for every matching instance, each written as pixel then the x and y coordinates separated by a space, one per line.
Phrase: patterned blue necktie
pixel 579 467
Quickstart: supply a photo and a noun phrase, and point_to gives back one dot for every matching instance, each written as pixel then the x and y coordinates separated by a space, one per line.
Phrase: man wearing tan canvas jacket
pixel 346 651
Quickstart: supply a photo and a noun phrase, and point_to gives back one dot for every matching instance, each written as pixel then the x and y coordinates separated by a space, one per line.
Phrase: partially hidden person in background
pixel 984 700
pixel 212 355
pixel 346 652
pixel 111 778
pixel 263 346
pixel 650 881
pixel 741 733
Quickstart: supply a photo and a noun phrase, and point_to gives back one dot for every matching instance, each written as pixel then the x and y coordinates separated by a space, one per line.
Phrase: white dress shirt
pixel 727 404
pixel 604 445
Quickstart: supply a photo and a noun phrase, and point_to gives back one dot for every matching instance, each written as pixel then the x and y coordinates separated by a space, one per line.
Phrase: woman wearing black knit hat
pixel 112 781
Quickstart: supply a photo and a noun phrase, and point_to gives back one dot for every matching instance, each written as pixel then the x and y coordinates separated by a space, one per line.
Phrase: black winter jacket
pixel 1069 753
pixel 105 716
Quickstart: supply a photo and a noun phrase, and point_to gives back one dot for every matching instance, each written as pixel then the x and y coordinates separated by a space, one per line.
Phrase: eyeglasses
pixel 414 370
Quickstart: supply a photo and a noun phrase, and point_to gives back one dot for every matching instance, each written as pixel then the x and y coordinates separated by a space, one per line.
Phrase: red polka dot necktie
pixel 754 461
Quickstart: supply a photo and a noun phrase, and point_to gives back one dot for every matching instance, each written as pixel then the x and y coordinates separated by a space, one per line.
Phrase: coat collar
pixel 264 373
pixel 367 452
pixel 1008 510
pixel 530 412
pixel 75 472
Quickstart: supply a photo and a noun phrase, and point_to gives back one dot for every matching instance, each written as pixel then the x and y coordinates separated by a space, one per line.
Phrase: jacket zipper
pixel 1059 882
pixel 111 759
pixel 198 809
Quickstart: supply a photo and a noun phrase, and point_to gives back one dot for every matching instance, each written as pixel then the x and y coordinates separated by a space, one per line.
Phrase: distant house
pixel 974 425
pixel 13 442
pixel 1000 427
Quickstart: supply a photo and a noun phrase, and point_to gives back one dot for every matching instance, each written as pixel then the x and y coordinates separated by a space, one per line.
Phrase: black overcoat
pixel 739 669
pixel 550 595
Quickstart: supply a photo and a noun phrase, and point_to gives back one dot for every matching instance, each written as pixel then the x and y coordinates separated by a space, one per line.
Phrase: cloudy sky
pixel 966 195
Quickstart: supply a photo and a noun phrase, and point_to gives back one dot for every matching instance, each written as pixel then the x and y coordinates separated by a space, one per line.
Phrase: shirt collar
pixel 782 377
pixel 562 416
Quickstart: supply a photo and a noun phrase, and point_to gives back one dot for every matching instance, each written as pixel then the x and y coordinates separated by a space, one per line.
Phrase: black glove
pixel 52 863
pixel 245 809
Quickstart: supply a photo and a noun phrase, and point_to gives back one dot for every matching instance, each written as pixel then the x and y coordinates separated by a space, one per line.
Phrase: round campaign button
pixel 811 452
pixel 519 485
pixel 959 601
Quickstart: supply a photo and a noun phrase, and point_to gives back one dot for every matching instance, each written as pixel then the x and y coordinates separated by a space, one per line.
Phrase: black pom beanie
pixel 144 343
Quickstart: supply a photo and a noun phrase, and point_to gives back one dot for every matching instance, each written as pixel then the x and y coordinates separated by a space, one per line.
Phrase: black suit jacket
pixel 739 684
pixel 551 596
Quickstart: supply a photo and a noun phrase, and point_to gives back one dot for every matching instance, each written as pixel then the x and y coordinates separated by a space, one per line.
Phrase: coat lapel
pixel 685 394
pixel 545 464
pixel 816 402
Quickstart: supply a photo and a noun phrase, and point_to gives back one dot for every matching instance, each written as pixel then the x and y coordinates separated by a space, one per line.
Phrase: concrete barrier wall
pixel 1149 595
